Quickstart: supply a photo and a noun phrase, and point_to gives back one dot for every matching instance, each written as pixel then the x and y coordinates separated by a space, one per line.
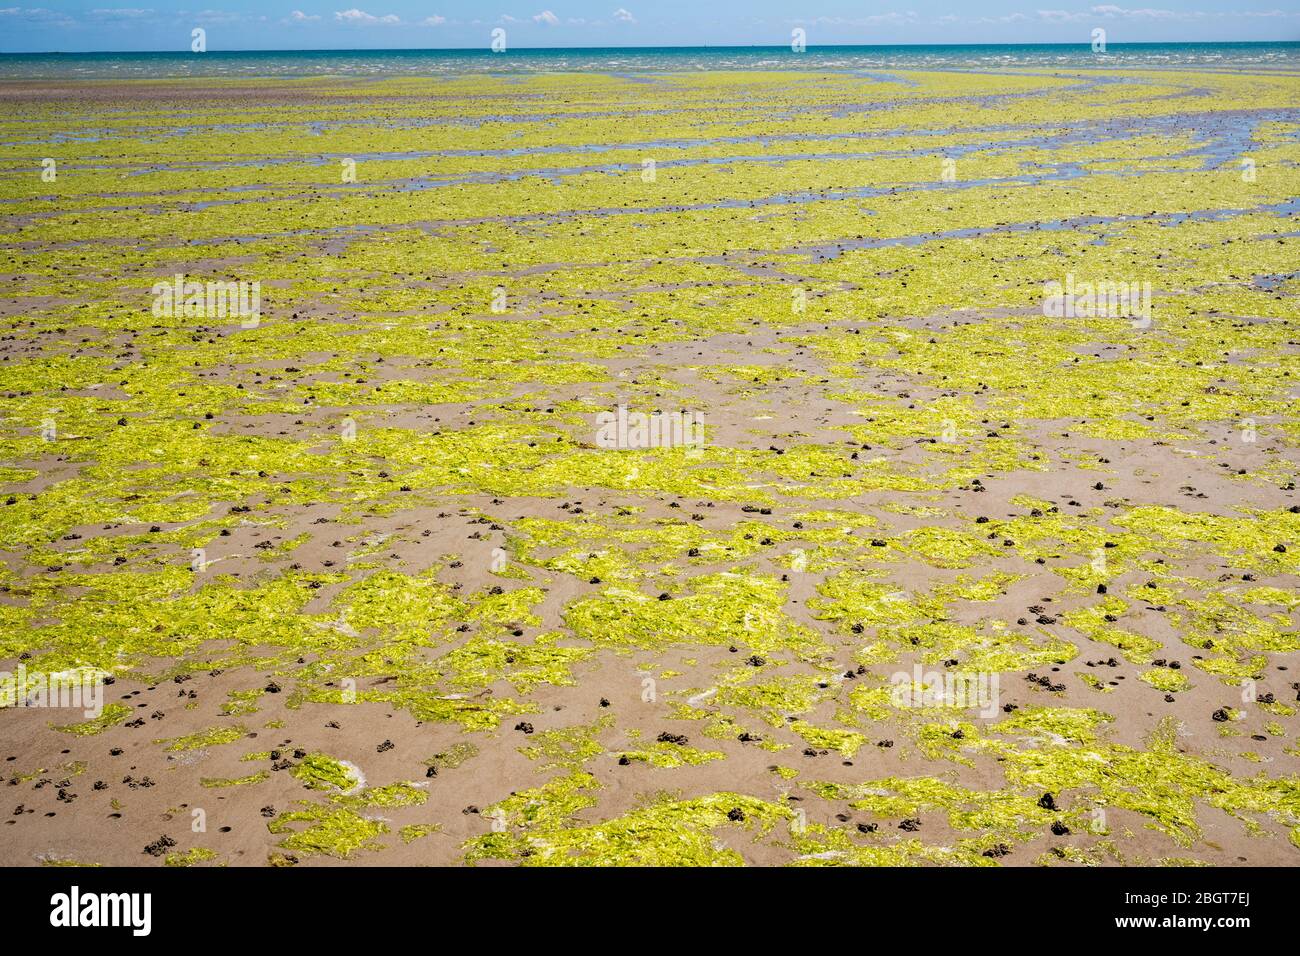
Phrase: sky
pixel 89 25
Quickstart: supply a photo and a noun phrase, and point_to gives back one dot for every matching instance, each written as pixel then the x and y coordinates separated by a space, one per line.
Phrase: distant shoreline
pixel 642 60
pixel 813 48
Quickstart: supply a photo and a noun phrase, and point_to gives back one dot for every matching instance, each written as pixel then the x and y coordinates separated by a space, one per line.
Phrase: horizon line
pixel 559 49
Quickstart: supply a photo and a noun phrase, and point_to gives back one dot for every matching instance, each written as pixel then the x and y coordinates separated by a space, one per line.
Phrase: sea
pixel 635 61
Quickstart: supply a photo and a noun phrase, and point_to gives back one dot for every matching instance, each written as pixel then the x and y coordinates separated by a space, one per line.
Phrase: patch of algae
pixel 1007 817
pixel 541 829
pixel 401 608
pixel 1239 637
pixel 141 615
pixel 845 742
pixel 1096 623
pixel 1055 724
pixel 909 623
pixel 721 609
pixel 470 713
pixel 481 661
pixel 112 715
pixel 392 795
pixel 1161 782
pixel 333 831
pixel 452 757
pixel 855 600
pixel 817 845
pixel 414 831
pixel 50 861
pixel 211 737
pixel 774 700
pixel 456 686
pixel 194 856
pixel 1247 542
pixel 1096 855
pixel 1082 773
pixel 588 552
pixel 945 547
pixel 219 782
pixel 242 703
pixel 568 747
pixel 666 756
pixel 1166 679
pixel 322 772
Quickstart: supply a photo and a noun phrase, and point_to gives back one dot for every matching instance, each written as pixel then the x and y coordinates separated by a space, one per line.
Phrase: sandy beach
pixel 718 468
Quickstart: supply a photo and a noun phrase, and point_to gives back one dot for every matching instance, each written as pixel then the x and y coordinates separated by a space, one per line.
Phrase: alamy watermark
pixel 1098 300
pixel 130 910
pixel 208 300
pixel 961 690
pixel 624 429
pixel 80 689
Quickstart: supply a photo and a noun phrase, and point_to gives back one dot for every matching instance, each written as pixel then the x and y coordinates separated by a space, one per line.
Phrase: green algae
pixel 336 832
pixel 241 703
pixel 1161 782
pixel 453 757
pixel 1060 724
pixel 915 338
pixel 1095 622
pixel 481 662
pixel 322 772
pixel 718 609
pixel 390 796
pixel 221 782
pixel 845 742
pixel 194 856
pixel 664 832
pixel 401 608
pixel 212 737
pixel 415 831
pixel 666 756
pixel 1004 815
pixel 1166 679
pixel 774 700
pixel 568 747
pixel 113 714
pixel 49 861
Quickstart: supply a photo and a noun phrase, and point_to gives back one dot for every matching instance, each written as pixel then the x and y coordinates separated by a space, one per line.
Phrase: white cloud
pixel 1109 11
pixel 360 16
pixel 220 16
pixel 547 17
pixel 434 21
pixel 35 14
pixel 624 16
pixel 299 17
pixel 1145 13
pixel 890 19
pixel 119 13
pixel 1060 16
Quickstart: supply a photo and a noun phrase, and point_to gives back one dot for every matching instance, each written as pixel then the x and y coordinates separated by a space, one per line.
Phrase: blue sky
pixel 79 25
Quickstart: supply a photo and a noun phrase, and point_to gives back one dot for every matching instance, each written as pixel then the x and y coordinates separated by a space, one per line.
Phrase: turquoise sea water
pixel 643 60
